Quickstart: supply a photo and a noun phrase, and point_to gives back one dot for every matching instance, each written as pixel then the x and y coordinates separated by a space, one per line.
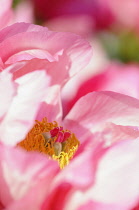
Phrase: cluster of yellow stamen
pixel 39 139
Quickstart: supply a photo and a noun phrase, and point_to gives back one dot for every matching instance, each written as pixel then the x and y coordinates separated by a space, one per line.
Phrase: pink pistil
pixel 66 136
pixel 60 137
pixel 54 131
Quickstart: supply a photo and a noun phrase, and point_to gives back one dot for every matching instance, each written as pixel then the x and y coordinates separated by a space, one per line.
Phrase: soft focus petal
pixel 24 7
pixel 5 12
pixel 120 9
pixel 23 109
pixel 82 24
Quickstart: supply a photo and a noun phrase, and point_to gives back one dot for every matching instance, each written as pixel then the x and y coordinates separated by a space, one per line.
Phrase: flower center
pixel 51 139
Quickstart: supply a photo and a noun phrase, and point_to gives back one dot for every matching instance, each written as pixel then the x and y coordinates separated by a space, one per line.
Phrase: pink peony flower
pixel 95 143
pixel 105 123
pixel 58 53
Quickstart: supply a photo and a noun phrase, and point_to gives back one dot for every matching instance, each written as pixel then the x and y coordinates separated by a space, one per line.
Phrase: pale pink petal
pixel 29 55
pixel 23 110
pixel 53 69
pixel 117 175
pixel 93 111
pixel 71 52
pixel 51 106
pixel 24 175
pixel 114 133
pixel 18 28
pixel 8 89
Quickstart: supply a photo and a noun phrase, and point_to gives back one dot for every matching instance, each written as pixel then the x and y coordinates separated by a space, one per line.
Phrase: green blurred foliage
pixel 15 2
pixel 123 46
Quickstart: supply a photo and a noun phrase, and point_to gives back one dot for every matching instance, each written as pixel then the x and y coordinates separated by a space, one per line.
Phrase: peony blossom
pixel 58 53
pixel 85 158
pixel 105 124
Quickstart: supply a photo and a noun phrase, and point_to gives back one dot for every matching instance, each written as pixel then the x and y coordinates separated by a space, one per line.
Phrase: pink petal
pixel 24 7
pixel 114 133
pixel 8 90
pixel 5 12
pixel 117 175
pixel 71 52
pixel 29 55
pixel 83 24
pixel 18 28
pixel 110 79
pixel 120 9
pixel 24 175
pixel 51 106
pixel 23 110
pixel 95 110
